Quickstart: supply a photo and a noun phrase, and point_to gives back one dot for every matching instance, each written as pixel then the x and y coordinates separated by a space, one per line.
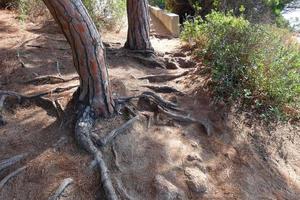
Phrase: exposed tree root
pixel 43 47
pixel 167 108
pixel 152 96
pixel 10 176
pixel 206 123
pixel 163 89
pixel 123 190
pixel 145 57
pixel 65 183
pixel 24 97
pixel 152 61
pixel 83 130
pixel 101 142
pixel 163 77
pixel 115 156
pixel 11 161
pixel 23 65
pixel 37 99
pixel 49 80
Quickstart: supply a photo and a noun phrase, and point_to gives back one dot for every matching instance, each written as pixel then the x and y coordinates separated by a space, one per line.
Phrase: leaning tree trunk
pixel 138 36
pixel 88 53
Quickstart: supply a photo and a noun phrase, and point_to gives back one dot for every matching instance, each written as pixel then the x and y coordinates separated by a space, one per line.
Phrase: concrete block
pixel 169 20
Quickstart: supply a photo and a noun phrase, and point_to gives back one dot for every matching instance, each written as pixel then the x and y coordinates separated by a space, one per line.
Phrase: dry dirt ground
pixel 166 160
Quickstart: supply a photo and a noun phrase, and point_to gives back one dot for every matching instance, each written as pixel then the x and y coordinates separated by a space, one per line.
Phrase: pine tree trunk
pixel 138 36
pixel 88 53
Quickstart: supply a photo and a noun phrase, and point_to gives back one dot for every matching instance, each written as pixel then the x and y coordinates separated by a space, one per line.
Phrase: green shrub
pixel 258 65
pixel 105 13
pixel 159 3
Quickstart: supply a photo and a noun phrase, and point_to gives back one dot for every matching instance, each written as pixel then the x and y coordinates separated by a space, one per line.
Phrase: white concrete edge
pixel 169 20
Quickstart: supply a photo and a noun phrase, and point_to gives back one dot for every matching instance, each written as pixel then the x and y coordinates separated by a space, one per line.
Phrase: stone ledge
pixel 169 20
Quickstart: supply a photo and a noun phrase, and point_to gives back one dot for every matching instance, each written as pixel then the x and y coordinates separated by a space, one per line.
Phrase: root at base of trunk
pixel 83 130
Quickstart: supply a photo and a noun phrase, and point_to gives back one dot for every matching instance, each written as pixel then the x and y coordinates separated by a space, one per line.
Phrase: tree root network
pixel 92 143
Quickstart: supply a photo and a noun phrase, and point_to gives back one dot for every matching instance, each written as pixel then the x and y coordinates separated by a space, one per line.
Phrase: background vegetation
pixel 256 65
pixel 106 14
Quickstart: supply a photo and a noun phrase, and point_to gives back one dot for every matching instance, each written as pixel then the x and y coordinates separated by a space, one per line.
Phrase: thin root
pixel 10 176
pixel 11 161
pixel 65 183
pixel 49 80
pixel 187 119
pixel 101 142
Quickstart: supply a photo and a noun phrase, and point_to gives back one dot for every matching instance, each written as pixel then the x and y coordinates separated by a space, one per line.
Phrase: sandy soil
pixel 243 159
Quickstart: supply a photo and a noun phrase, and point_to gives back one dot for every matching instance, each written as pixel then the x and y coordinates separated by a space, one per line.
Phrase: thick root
pixel 163 89
pixel 151 96
pixel 37 99
pixel 37 96
pixel 145 57
pixel 11 161
pixel 163 77
pixel 83 129
pixel 206 123
pixel 167 108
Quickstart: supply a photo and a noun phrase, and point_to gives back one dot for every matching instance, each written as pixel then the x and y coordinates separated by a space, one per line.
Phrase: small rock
pixel 197 180
pixel 193 157
pixel 166 190
pixel 194 144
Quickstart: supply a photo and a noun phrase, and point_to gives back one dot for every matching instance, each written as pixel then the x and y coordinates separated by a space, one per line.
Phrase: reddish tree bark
pixel 138 36
pixel 88 53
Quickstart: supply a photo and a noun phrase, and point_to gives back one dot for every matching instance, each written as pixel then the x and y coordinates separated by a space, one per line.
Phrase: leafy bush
pixel 32 10
pixel 159 3
pixel 258 11
pixel 256 64
pixel 105 13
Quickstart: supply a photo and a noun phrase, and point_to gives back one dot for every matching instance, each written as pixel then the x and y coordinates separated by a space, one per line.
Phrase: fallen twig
pixel 65 183
pixel 10 176
pixel 11 161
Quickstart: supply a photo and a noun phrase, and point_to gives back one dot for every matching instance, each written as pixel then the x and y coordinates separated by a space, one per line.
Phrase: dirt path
pixel 167 160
